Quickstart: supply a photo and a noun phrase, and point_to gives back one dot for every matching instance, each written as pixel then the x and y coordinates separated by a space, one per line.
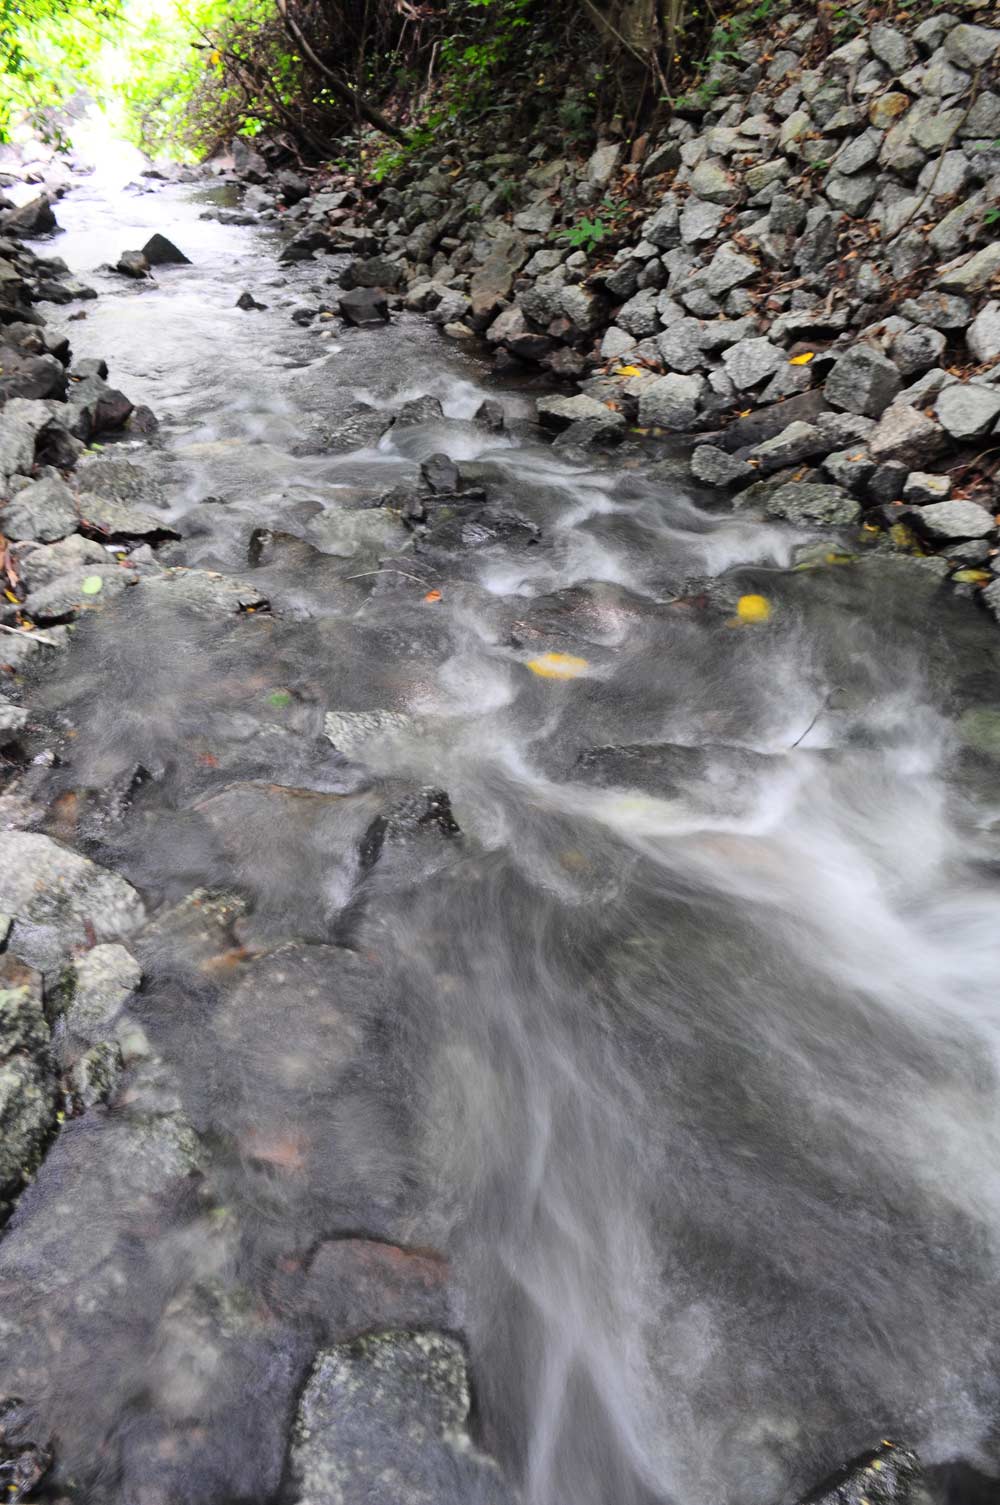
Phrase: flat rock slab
pixel 384 1420
pixel 60 899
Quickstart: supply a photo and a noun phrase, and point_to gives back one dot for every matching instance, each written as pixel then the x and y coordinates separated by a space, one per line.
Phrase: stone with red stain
pixel 357 1285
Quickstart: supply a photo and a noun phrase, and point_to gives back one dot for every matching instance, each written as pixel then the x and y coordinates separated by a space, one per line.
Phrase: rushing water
pixel 686 1057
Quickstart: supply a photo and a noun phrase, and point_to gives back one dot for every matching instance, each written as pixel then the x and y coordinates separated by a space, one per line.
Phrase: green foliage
pixel 190 72
pixel 483 38
pixel 587 234
pixel 48 49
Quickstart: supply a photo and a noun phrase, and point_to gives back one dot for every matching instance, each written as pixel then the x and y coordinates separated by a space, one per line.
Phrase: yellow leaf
pixel 802 360
pixel 215 57
pixel 628 371
pixel 753 609
pixel 557 666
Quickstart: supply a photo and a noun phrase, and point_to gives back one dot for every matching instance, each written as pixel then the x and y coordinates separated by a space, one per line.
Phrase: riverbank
pixel 797 277
pixel 424 973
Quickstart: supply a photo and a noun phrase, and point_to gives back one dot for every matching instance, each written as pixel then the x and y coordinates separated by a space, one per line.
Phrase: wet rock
pixel 30 376
pixel 94 990
pixel 118 521
pixel 96 1076
pixel 385 1419
pixel 355 1286
pixel 27 1090
pixel 31 220
pixel 440 474
pixel 160 252
pixel 557 413
pixel 490 414
pixel 812 502
pixel 41 564
pixel 132 264
pixel 374 272
pixel 364 306
pixel 967 411
pixel 248 303
pixel 890 1475
pixel 60 899
pixel 863 381
pixel 942 521
pixel 849 467
pixel 44 510
pixel 945 311
pixel 23 1463
pixel 205 591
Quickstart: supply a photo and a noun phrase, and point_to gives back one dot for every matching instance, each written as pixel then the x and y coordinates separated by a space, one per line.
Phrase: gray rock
pixel 971 46
pixel 974 274
pixel 887 481
pixel 44 510
pixel 863 381
pixel 373 272
pixel 60 899
pixel 132 264
pixel 809 502
pixel 923 486
pixel 967 411
pixel 818 241
pixel 662 228
pixel 41 564
pixel 711 181
pixel 908 436
pixel 917 350
pixel 942 521
pixel 700 220
pixel 159 251
pixel 28 1103
pixel 557 413
pixel 586 309
pixel 945 311
pixel 799 441
pixel 892 48
pixel 957 227
pixel 18 433
pixel 859 153
pixel 853 195
pixel 616 343
pixel 680 346
pixel 983 334
pixel 983 121
pixel 891 1475
pixel 537 219
pixel 726 270
pixel 946 176
pixel 31 220
pixel 639 316
pixel 749 362
pixel 671 402
pixel 936 129
pixel 94 990
pixel 95 1077
pixel 714 467
pixel 602 164
pixel 852 468
pixel 385 1419
pixel 759 178
pixel 364 305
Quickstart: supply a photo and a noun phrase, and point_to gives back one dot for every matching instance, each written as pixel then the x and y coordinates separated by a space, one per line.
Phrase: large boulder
pixel 43 510
pixel 31 220
pixel 364 305
pixel 161 252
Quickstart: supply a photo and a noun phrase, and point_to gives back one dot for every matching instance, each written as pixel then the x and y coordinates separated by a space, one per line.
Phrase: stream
pixel 641 961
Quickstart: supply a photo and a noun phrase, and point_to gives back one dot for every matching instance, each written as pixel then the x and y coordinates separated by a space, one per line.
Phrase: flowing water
pixel 684 1050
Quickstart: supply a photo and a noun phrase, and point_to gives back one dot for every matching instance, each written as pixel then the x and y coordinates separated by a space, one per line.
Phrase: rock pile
pixel 814 289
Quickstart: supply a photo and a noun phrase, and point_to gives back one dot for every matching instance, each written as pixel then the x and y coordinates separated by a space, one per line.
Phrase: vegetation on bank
pixel 185 76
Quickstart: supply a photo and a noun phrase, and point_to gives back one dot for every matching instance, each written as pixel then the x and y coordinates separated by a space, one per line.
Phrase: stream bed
pixel 538 951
